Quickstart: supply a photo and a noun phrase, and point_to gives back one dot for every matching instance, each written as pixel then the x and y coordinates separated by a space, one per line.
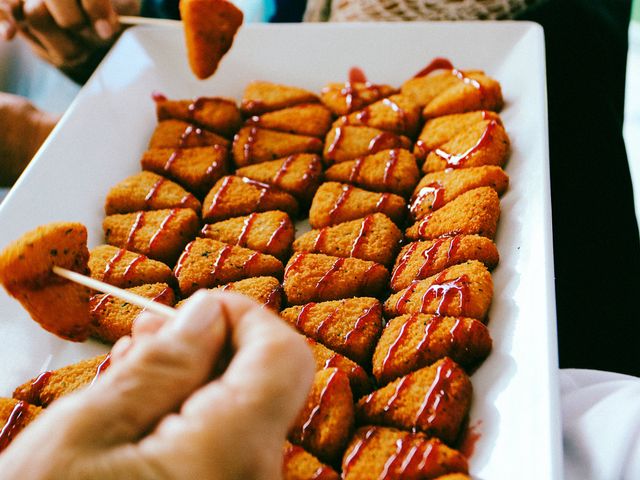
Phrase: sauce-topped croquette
pixel 348 142
pixel 220 115
pixel 126 269
pixel 15 415
pixel 298 464
pixel 178 134
pixel 310 119
pixel 264 290
pixel 260 97
pixel 345 98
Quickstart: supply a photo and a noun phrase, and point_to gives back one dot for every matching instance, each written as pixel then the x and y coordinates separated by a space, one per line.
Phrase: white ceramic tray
pixel 101 137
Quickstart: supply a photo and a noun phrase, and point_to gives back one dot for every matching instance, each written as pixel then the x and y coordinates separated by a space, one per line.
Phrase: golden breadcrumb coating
pixel 112 318
pixel 220 115
pixel 374 237
pixel 178 134
pixel 344 98
pixel 325 422
pixel 256 145
pixel 207 263
pixel 235 196
pixel 454 476
pixel 437 189
pixel 269 232
pixel 158 234
pixel 126 269
pixel 313 277
pixel 14 417
pixel 49 386
pixel 336 203
pixel 434 400
pixel 420 260
pixel 350 327
pixel 58 305
pixel 379 452
pixel 311 119
pixel 298 464
pixel 392 171
pixel 347 142
pixel 148 191
pixel 463 290
pixel 424 89
pixel 475 212
pixel 299 174
pixel 196 169
pixel 261 97
pixel 264 290
pixel 413 341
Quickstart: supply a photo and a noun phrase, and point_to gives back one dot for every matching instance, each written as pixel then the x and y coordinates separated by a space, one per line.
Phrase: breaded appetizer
pixel 235 196
pixel 485 143
pixel 148 191
pixel 463 290
pixel 178 134
pixel 374 237
pixel 260 97
pixel 392 171
pixel 434 400
pixel 256 145
pixel 425 87
pixel 220 115
pixel 327 358
pixel 326 420
pixel 410 342
pixel 264 290
pixel 126 269
pixel 158 234
pixel 49 386
pixel 197 169
pixel 379 452
pixel 269 232
pixel 298 464
pixel 299 174
pixel 207 263
pixel 26 272
pixel 311 119
pixel 312 277
pixel 420 260
pixel 14 416
pixel 349 142
pixel 350 327
pixel 112 318
pixel 344 98
pixel 437 189
pixel 475 212
pixel 397 114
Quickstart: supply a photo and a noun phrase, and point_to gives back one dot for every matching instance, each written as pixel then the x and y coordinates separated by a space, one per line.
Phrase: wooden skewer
pixel 131 20
pixel 130 297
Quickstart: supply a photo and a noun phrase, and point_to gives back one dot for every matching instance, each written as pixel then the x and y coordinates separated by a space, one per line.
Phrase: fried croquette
pixel 374 237
pixel 256 145
pixel 158 234
pixel 424 89
pixel 311 119
pixel 434 400
pixel 437 189
pixel 112 318
pixel 196 169
pixel 344 98
pixel 15 415
pixel 392 171
pixel 298 464
pixel 207 263
pixel 261 97
pixel 49 386
pixel 463 290
pixel 325 422
pixel 327 358
pixel 337 203
pixel 26 272
pixel 269 232
pixel 299 174
pixel 420 260
pixel 126 269
pixel 350 326
pixel 475 212
pixel 178 134
pixel 348 142
pixel 220 115
pixel 410 342
pixel 148 191
pixel 313 277
pixel 379 452
pixel 264 290
pixel 235 196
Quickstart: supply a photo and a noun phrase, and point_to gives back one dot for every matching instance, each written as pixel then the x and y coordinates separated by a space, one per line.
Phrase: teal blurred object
pixel 635 11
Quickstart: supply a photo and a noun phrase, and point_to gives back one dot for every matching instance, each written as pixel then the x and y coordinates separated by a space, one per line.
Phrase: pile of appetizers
pixel 390 287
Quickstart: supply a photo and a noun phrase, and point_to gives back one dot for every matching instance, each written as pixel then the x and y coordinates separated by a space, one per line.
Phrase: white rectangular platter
pixel 101 137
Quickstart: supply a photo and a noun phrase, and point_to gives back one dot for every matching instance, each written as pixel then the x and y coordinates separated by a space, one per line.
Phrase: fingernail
pixel 201 314
pixel 103 29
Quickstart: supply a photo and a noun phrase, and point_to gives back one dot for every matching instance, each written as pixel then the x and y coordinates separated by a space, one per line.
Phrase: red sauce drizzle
pixel 219 195
pixel 163 228
pixel 137 225
pixel 303 316
pixel 335 144
pixel 311 167
pixel 393 349
pixel 264 188
pixel 222 256
pixel 101 368
pixel 469 81
pixel 430 254
pixel 321 285
pixel 112 262
pixel 403 263
pixel 248 223
pixel 382 141
pixel 190 131
pixel 397 110
pixel 433 399
pixel 196 105
pixel 333 362
pixel 458 161
pixel 437 63
pixel 172 158
pixel 276 233
pixel 323 473
pixel 364 115
pixel 390 166
pixel 13 424
pixel 101 304
pixel 152 193
pixel 310 424
pixel 36 388
pixel 364 230
pixel 422 226
pixel 433 188
pixel 446 292
pixel 357 330
pixel 273 296
pixel 253 258
pixel 342 198
pixel 409 460
pixel 404 298
pixel 128 271
pixel 318 245
pixel 404 383
pixel 158 96
pixel 355 170
pixel 429 329
pixel 357 75
pixel 357 449
pixel 295 264
pixel 326 322
pixel 183 257
pixel 470 437
pixel 382 202
pixel 284 168
pixel 247 148
pixel 185 199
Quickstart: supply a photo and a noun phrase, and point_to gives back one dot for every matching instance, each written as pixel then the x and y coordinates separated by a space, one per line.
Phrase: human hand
pixel 156 413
